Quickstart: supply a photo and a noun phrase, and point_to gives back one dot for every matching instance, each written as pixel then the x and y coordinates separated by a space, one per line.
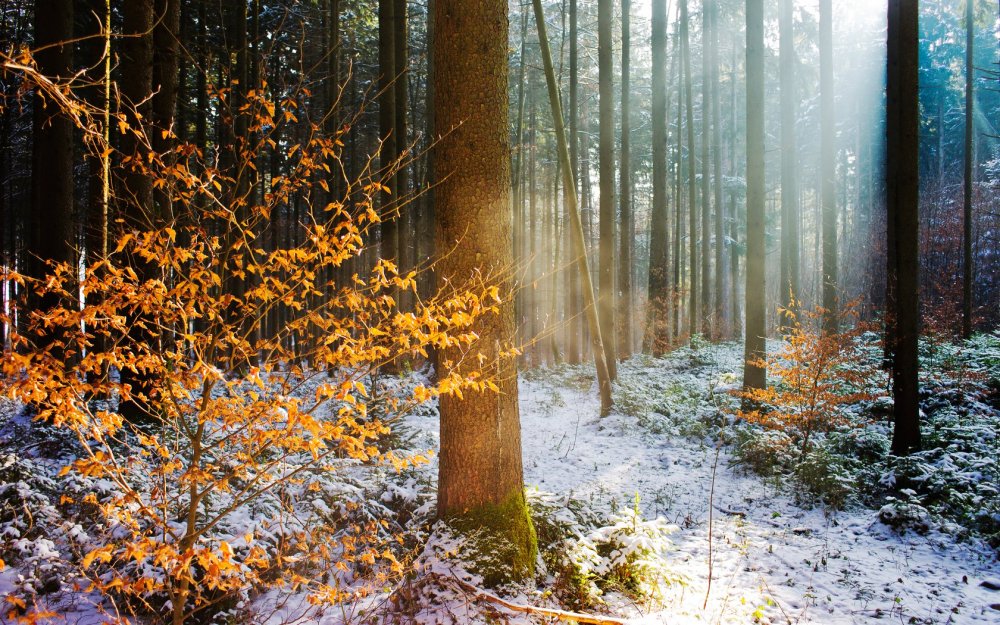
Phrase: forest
pixel 347 312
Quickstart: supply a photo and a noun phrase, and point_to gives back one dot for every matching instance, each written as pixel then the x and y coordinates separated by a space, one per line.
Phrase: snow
pixel 772 559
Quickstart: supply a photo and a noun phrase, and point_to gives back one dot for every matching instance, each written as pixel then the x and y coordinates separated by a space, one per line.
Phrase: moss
pixel 500 544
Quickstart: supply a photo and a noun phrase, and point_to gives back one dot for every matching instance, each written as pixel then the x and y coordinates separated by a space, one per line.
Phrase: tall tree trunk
pixel 401 188
pixel 721 313
pixel 625 194
pixel 828 167
pixel 706 199
pixel 902 200
pixel 970 77
pixel 166 46
pixel 658 285
pixel 573 348
pixel 605 17
pixel 692 172
pixel 480 479
pixel 52 232
pixel 755 349
pixel 789 286
pixel 387 123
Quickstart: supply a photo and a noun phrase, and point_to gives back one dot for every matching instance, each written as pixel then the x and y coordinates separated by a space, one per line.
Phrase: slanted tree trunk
pixel 605 15
pixel 480 480
pixel 902 200
pixel 579 242
pixel 755 349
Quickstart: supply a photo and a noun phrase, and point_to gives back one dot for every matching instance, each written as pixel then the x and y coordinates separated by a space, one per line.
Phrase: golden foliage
pixel 815 374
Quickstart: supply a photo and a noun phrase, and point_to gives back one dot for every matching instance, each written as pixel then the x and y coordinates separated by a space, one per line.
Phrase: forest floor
pixel 776 556
pixel 668 476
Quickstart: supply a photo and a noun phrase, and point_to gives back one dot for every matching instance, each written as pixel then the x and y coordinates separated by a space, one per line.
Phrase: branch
pixel 561 615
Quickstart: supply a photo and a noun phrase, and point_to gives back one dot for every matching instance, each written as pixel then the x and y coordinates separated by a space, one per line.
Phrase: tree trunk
pixel 692 172
pixel 480 480
pixel 789 184
pixel 387 123
pixel 573 348
pixel 706 199
pixel 902 200
pixel 967 266
pixel 658 286
pixel 605 16
pixel 722 324
pixel 579 243
pixel 828 167
pixel 625 194
pixel 755 349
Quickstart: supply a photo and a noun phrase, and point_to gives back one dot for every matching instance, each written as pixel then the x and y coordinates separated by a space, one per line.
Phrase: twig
pixel 711 506
pixel 562 615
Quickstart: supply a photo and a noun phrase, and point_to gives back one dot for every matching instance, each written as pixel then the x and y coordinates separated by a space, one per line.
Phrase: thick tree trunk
pixel 480 480
pixel 755 349
pixel 387 123
pixel 902 200
pixel 605 16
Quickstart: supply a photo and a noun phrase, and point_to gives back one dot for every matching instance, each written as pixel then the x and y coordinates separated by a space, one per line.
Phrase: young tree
pixel 755 348
pixel 902 199
pixel 480 481
pixel 605 15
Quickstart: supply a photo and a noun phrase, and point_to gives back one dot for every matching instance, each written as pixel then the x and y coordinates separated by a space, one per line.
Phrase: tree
pixel 828 166
pixel 902 219
pixel 658 287
pixel 755 348
pixel 480 480
pixel 52 235
pixel 387 121
pixel 605 14
pixel 625 199
pixel 685 36
pixel 967 266
pixel 789 285
pixel 721 316
pixel 706 196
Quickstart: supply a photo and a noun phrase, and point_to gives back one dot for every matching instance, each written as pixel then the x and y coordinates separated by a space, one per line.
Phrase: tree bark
pixel 902 200
pixel 480 479
pixel 755 349
pixel 625 196
pixel 967 261
pixel 828 168
pixel 789 184
pixel 605 11
pixel 658 285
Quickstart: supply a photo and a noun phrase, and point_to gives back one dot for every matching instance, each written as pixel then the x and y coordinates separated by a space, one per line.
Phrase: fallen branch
pixel 562 615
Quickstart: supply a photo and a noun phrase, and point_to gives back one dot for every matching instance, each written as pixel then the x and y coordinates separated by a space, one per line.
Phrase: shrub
pixel 234 372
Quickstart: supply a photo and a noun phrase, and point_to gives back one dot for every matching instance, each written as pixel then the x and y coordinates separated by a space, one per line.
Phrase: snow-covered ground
pixel 771 559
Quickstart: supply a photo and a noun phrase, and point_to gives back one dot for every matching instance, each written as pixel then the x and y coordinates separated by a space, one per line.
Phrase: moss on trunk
pixel 500 544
